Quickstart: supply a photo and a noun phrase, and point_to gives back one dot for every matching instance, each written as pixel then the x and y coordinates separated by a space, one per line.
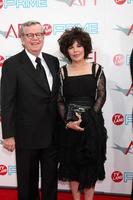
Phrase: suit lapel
pixel 31 71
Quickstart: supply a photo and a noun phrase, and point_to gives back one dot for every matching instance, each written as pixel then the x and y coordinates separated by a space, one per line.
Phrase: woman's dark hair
pixel 70 36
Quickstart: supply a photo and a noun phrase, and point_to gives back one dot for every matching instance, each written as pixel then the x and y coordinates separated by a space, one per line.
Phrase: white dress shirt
pixel 47 71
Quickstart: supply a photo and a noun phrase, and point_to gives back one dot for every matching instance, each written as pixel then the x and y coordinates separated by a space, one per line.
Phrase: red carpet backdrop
pixel 110 24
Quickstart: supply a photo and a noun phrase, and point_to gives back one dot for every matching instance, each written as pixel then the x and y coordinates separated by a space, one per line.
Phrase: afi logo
pixel 117 176
pixel 1 60
pixel 130 90
pixel 120 2
pixel 81 2
pixel 3 170
pixel 127 31
pixel 129 147
pixel 118 119
pixel 118 59
pixel 130 30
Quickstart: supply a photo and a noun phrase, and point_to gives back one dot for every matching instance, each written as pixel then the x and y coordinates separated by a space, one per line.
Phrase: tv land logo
pixel 118 176
pixel 126 30
pixel 120 59
pixel 121 2
pixel 7 170
pixel 48 29
pixel 3 170
pixel 119 119
pixel 91 28
pixel 23 4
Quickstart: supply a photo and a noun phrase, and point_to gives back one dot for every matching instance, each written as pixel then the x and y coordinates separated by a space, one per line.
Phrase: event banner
pixel 110 25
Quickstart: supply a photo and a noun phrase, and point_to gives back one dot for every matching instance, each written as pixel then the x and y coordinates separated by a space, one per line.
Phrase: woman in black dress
pixel 83 135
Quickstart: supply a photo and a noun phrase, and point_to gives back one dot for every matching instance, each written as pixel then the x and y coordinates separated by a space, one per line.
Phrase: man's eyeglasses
pixel 32 35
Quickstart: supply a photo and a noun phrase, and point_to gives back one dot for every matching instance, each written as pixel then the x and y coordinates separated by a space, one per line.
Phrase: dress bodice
pixel 80 87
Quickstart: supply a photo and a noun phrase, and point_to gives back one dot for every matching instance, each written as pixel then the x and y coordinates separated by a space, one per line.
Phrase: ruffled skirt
pixel 82 154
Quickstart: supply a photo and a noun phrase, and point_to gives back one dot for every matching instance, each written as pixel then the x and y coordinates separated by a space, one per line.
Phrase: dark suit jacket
pixel 131 64
pixel 29 108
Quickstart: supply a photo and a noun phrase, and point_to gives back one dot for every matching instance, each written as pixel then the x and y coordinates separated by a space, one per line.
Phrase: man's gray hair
pixel 28 24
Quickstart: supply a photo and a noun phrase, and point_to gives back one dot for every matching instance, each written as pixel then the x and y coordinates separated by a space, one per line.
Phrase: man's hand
pixel 9 144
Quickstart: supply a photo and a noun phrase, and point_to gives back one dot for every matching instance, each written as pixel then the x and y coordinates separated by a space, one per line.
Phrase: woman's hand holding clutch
pixel 75 125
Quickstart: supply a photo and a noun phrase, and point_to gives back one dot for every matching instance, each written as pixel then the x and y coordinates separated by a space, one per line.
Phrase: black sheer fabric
pixel 101 92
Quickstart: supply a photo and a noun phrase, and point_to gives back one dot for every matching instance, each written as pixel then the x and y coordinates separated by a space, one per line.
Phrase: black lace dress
pixel 82 154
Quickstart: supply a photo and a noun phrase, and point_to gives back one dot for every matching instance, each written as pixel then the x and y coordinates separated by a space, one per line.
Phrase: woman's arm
pixel 101 92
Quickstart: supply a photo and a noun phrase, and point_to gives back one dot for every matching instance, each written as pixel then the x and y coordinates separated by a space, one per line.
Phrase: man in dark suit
pixel 29 114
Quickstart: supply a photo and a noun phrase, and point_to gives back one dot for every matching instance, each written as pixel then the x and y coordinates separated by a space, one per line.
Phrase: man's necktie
pixel 40 69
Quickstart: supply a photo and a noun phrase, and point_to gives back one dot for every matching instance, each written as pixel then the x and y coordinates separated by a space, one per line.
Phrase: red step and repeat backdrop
pixel 110 24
